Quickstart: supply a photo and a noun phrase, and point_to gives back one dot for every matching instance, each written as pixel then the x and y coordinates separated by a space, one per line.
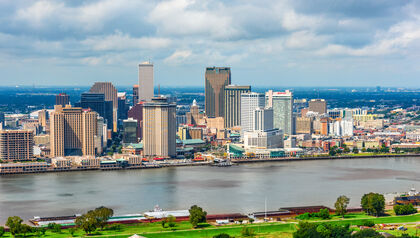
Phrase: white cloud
pixel 182 17
pixel 120 41
pixel 305 40
pixel 178 57
pixel 397 40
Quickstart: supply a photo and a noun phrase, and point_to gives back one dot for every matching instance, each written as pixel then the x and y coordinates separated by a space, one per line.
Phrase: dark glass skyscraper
pixel 96 102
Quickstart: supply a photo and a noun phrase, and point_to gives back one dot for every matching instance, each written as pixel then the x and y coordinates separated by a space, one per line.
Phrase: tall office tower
pixel 146 90
pixel 101 131
pixel 72 131
pixel 233 104
pixel 135 94
pixel 159 128
pixel 250 102
pixel 136 113
pixel 282 104
pixel 318 105
pixel 263 119
pixel 194 116
pixel 123 106
pixel 304 125
pixel 16 145
pixel 130 131
pixel 96 102
pixel 216 79
pixel 110 93
pixel 62 99
pixel 43 118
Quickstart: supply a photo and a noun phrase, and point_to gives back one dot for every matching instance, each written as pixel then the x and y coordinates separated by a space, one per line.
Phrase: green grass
pixel 275 229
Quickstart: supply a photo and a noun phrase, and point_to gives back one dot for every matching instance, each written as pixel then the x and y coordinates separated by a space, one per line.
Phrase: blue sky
pixel 267 43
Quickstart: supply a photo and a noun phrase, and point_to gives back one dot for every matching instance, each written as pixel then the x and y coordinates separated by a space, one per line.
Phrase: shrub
pixel 1 231
pixel 114 227
pixel 404 209
pixel 72 231
pixel 222 235
pixel 368 223
pixel 246 231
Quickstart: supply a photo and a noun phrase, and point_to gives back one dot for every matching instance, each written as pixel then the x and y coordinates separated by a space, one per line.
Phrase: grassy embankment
pixel 271 229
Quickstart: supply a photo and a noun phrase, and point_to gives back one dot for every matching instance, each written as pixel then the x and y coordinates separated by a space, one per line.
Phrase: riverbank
pixel 45 169
pixel 323 158
pixel 284 228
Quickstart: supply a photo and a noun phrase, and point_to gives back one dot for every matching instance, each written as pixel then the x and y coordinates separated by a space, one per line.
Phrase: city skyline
pixel 288 43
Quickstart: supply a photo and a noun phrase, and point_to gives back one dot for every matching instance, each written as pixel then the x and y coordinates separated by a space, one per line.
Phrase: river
pixel 241 188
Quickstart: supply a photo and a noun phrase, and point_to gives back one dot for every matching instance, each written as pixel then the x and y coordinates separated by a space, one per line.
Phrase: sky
pixel 266 43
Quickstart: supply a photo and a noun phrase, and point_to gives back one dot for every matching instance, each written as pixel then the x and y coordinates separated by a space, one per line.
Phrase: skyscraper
pixel 96 102
pixel 110 93
pixel 72 131
pixel 122 106
pixel 62 99
pixel 43 118
pixel 159 128
pixel 136 113
pixel 233 104
pixel 16 145
pixel 130 131
pixel 145 81
pixel 263 119
pixel 282 104
pixel 194 116
pixel 250 102
pixel 135 94
pixel 216 79
pixel 318 105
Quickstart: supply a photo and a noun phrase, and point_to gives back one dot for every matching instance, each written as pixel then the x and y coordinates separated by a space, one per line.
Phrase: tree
pixel 54 227
pixel 341 205
pixel 367 233
pixel 197 215
pixel 102 214
pixel 163 222
pixel 2 231
pixel 306 229
pixel 373 204
pixel 326 230
pixel 346 150
pixel 171 221
pixel 72 230
pixel 87 222
pixel 324 214
pixel 25 229
pixel 15 225
pixel 355 150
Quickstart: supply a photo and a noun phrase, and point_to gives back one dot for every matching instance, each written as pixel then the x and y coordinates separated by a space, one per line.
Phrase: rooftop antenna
pixel 159 89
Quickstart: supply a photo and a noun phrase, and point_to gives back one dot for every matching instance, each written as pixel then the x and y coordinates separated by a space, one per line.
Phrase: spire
pixel 194 103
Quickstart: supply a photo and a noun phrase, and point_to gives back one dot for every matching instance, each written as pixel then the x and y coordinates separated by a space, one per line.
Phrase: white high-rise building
pixel 146 92
pixel 282 104
pixel 263 119
pixel 250 102
pixel 342 127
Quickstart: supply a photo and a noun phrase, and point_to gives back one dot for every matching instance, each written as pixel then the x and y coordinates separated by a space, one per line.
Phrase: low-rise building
pixel 16 168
